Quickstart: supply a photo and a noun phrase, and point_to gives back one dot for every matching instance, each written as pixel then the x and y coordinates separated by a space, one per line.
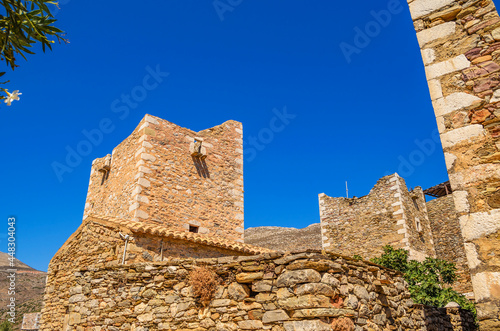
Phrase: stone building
pixel 168 201
pixel 169 175
pixel 392 215
pixel 389 215
pixel 169 181
pixel 460 46
pixel 164 193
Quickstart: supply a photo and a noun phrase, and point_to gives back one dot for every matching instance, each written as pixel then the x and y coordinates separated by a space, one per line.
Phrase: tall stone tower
pixel 460 46
pixel 169 175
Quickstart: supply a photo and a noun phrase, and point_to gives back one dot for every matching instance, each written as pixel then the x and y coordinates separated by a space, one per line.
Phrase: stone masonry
pixel 388 215
pixel 97 243
pixel 166 174
pixel 448 240
pixel 460 46
pixel 271 291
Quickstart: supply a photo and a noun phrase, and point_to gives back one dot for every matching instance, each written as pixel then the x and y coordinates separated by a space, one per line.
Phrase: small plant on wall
pixel 204 282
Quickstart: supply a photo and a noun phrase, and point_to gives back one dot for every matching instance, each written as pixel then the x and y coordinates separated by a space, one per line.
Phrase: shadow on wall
pixel 201 167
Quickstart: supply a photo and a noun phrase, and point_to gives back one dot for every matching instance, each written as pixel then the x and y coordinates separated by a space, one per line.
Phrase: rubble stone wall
pixel 97 245
pixel 460 46
pixel 448 240
pixel 154 178
pixel 388 215
pixel 273 291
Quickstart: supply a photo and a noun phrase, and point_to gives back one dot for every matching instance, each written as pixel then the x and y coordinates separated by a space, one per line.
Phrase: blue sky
pixel 358 106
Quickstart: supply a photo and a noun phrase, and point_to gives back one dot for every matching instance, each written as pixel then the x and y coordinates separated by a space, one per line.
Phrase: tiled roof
pixel 165 231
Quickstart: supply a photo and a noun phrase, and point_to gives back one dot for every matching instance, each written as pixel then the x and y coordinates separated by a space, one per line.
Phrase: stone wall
pixel 388 215
pixel 273 291
pixel 97 243
pixel 448 240
pixel 156 176
pixel 460 46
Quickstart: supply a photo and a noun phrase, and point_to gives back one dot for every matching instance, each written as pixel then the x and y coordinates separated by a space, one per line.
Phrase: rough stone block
pixel 442 68
pixel 419 8
pixel 436 32
pixel 453 137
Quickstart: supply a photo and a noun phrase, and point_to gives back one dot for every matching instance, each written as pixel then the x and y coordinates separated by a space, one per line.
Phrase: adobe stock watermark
pixel 424 148
pixel 265 136
pixel 121 106
pixel 372 29
pixel 11 271
pixel 223 6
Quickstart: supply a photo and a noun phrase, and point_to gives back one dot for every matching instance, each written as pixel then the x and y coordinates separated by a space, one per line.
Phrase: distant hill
pixel 30 285
pixel 20 266
pixel 285 239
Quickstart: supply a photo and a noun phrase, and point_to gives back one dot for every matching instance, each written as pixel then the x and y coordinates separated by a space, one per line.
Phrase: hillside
pixel 285 239
pixel 30 284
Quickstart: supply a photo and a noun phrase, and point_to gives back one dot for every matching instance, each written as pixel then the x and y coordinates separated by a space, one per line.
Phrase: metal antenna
pixel 346 190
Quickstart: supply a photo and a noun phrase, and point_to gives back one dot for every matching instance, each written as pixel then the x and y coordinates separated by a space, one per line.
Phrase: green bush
pixel 429 281
pixel 6 326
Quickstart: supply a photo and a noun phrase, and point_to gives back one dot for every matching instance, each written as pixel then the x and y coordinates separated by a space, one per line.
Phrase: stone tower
pixel 169 175
pixel 460 46
pixel 388 215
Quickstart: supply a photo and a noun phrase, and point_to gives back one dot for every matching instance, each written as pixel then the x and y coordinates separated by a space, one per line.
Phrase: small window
pixel 415 203
pixel 193 229
pixel 418 225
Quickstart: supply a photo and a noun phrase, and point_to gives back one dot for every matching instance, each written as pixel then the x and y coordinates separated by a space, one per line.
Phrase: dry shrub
pixel 343 324
pixel 204 282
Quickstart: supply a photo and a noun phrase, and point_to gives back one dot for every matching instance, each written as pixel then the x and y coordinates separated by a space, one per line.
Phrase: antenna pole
pixel 346 190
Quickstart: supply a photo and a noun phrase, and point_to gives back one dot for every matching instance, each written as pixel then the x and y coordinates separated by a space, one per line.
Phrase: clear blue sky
pixel 355 120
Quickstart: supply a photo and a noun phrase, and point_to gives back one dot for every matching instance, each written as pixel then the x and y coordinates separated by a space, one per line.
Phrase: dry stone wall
pixel 157 175
pixel 97 244
pixel 460 46
pixel 273 291
pixel 388 215
pixel 448 240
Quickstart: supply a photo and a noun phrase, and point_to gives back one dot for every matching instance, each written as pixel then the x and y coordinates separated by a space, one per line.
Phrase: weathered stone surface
pixel 322 312
pixel 74 318
pixel 291 278
pixel 442 68
pixel 436 32
pixel 419 8
pixel 237 291
pixel 453 102
pixel 274 316
pixel 250 325
pixel 262 286
pixel 318 266
pixel 361 292
pixel 305 301
pixel 315 288
pixel 312 325
pixel 248 277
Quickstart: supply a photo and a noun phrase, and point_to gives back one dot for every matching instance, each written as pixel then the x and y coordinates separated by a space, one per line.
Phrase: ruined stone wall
pixel 154 178
pixel 303 291
pixel 388 215
pixel 460 46
pixel 448 240
pixel 97 244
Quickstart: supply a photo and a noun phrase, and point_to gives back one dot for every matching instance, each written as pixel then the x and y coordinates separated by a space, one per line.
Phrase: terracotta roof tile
pixel 164 231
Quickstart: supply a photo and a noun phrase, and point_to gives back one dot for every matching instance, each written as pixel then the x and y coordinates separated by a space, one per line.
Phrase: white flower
pixel 12 96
